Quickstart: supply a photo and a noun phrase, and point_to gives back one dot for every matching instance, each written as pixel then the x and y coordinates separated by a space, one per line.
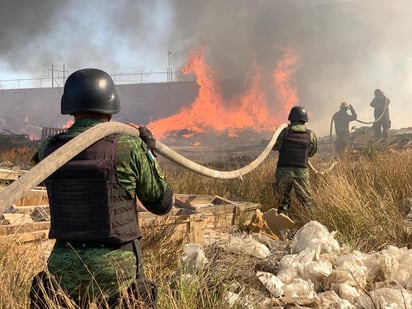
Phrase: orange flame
pixel 283 81
pixel 68 124
pixel 247 110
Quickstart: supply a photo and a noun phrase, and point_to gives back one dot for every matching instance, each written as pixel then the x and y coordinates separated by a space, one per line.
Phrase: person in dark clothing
pixel 382 124
pixel 97 256
pixel 342 119
pixel 295 144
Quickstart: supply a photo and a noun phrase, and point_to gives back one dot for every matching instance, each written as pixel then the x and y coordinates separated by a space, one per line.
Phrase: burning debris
pixel 10 140
pixel 251 109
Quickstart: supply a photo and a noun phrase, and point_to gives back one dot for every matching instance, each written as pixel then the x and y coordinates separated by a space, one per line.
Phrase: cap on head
pixel 90 90
pixel 378 91
pixel 344 105
pixel 298 113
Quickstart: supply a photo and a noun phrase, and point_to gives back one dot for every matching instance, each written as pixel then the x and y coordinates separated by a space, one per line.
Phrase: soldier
pixel 295 144
pixel 341 119
pixel 96 256
pixel 380 103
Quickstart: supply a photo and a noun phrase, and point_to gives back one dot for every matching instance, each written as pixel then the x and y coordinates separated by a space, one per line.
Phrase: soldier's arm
pixel 313 144
pixel 138 171
pixel 354 115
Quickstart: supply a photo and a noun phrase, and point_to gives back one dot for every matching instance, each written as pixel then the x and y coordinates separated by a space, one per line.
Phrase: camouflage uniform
pixel 342 119
pixel 291 177
pixel 102 273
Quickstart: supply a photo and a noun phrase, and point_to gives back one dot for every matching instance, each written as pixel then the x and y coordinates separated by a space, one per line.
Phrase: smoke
pixel 347 48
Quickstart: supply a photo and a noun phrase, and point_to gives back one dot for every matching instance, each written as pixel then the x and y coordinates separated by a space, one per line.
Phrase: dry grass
pixel 18 264
pixel 18 156
pixel 361 199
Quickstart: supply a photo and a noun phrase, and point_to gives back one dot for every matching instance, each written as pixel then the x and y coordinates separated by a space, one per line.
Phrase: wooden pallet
pixel 191 217
pixel 219 213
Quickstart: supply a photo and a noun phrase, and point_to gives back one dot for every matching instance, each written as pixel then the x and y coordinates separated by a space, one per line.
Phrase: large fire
pixel 248 110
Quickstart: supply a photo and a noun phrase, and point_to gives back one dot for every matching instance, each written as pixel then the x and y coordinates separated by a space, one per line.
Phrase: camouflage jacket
pixel 137 171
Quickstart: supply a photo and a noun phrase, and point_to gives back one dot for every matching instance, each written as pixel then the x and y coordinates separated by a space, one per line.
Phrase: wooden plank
pixel 187 228
pixel 34 197
pixel 28 209
pixel 219 213
pixel 18 219
pixel 196 229
pixel 7 174
pixel 25 237
pixel 15 229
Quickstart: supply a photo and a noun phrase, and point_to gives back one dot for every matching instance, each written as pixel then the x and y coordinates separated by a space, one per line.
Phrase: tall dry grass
pixel 361 199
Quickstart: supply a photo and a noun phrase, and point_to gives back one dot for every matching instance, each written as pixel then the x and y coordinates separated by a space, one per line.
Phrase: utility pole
pixel 169 67
pixel 52 75
pixel 64 75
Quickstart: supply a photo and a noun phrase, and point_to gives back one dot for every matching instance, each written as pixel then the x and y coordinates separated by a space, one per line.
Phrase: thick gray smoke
pixel 347 48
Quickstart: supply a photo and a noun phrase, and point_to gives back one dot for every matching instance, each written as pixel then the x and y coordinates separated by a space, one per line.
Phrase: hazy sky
pixel 346 48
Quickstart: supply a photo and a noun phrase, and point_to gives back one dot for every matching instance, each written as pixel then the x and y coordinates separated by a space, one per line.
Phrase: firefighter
pixel 295 144
pixel 342 119
pixel 382 124
pixel 97 256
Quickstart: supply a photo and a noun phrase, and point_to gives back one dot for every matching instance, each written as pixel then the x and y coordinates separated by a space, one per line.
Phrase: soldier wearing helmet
pixel 342 119
pixel 92 200
pixel 382 123
pixel 295 144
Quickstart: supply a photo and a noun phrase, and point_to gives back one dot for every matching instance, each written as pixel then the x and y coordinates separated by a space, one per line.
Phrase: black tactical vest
pixel 294 151
pixel 87 203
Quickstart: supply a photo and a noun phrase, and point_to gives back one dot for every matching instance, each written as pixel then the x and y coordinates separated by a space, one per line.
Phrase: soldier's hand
pixel 147 137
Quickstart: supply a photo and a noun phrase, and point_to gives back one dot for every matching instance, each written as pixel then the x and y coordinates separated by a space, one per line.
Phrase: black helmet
pixel 90 90
pixel 298 113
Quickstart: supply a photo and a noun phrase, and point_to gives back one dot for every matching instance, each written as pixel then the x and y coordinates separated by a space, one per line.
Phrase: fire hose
pixel 332 165
pixel 61 156
pixel 377 119
pixel 360 121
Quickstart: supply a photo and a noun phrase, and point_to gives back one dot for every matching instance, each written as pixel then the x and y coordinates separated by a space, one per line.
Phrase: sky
pixel 346 48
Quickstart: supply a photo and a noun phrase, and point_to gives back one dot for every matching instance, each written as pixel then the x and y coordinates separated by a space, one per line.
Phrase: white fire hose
pixel 360 121
pixel 61 156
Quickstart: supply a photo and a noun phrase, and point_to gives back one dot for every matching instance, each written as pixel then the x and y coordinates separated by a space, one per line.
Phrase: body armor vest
pixel 87 203
pixel 294 151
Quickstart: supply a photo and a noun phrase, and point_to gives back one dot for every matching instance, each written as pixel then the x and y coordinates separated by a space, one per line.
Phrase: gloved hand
pixel 147 137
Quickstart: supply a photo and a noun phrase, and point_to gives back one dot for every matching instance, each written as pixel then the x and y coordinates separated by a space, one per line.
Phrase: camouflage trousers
pixel 288 179
pixel 100 275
